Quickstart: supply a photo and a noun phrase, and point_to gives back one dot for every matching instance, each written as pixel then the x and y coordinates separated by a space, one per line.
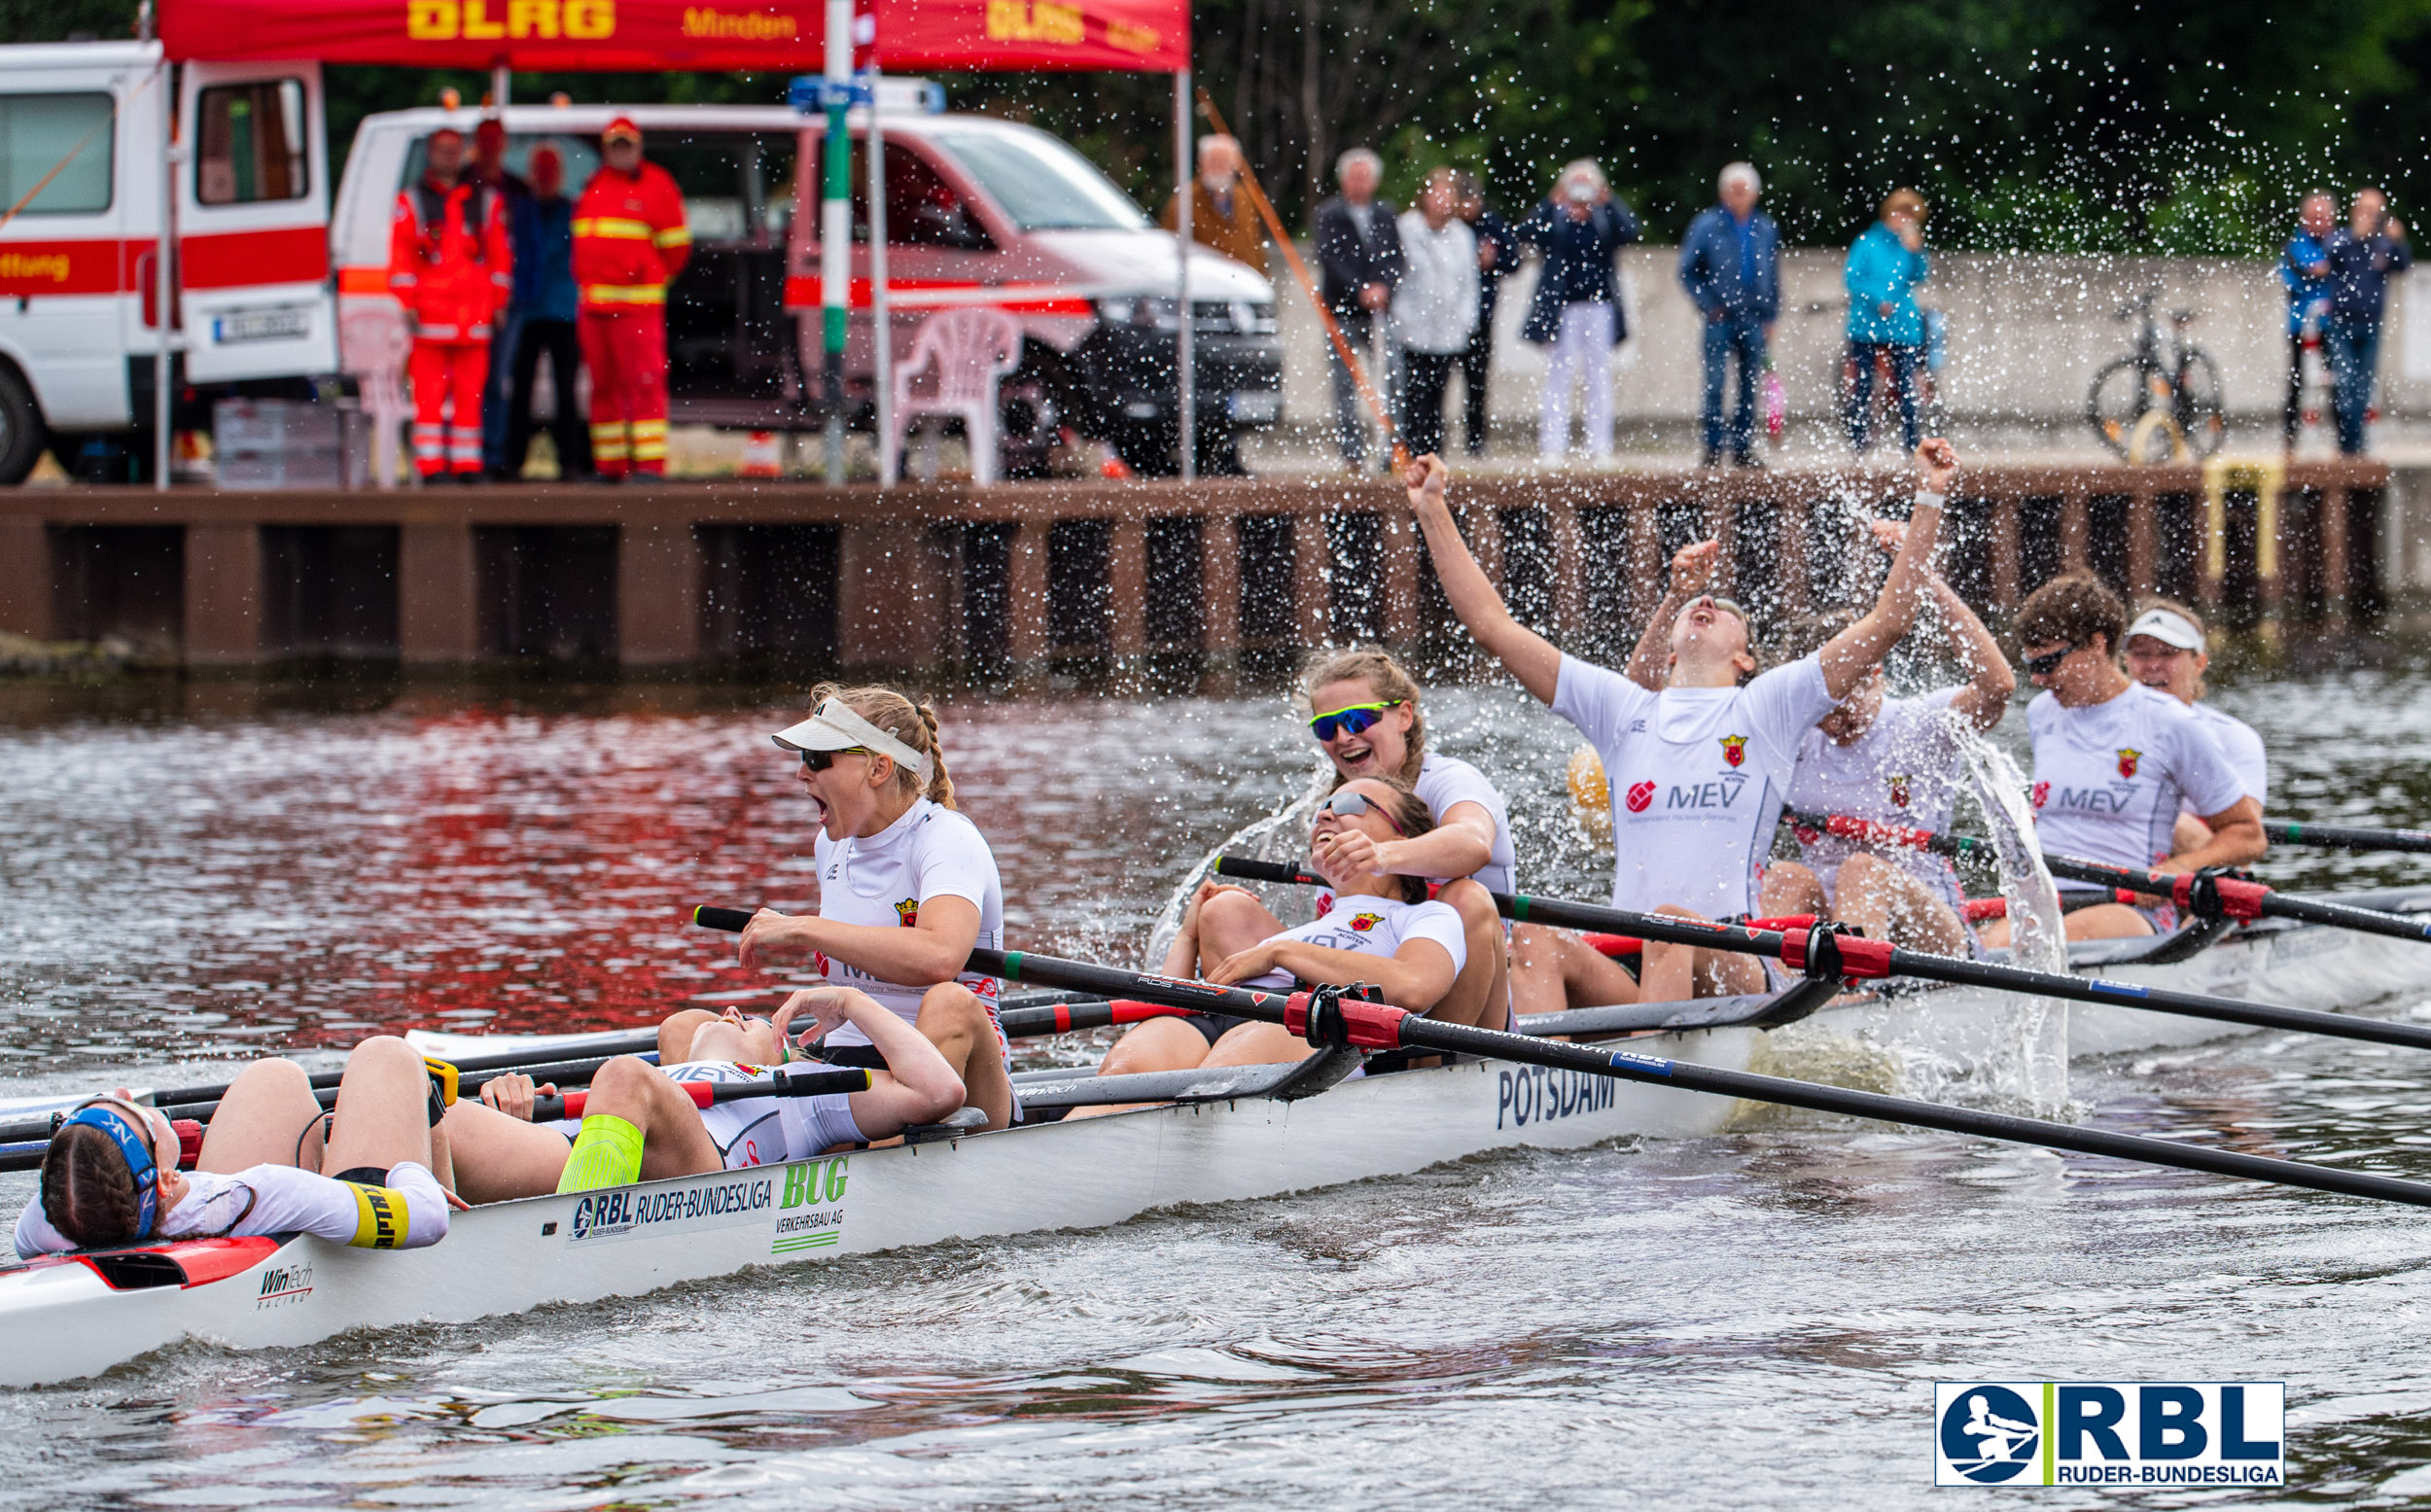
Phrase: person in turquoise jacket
pixel 1884 266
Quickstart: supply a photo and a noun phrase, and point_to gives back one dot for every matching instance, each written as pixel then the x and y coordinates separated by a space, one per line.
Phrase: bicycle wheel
pixel 2120 395
pixel 2196 406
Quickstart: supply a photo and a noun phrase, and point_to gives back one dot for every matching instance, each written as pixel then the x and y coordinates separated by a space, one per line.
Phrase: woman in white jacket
pixel 1434 310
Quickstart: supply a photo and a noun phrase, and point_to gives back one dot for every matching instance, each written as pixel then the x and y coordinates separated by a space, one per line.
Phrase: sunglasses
pixel 821 760
pixel 2049 663
pixel 1350 805
pixel 1349 719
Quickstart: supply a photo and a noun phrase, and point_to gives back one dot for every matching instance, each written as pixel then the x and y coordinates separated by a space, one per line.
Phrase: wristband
pixel 1928 499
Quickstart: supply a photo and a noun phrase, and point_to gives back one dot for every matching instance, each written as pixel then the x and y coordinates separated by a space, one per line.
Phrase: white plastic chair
pixel 961 354
pixel 372 344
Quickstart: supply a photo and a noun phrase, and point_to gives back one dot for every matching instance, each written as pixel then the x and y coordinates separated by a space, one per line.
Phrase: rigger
pixel 630 240
pixel 452 266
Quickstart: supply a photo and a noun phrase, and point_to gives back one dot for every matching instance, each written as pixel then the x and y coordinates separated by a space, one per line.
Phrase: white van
pixel 81 144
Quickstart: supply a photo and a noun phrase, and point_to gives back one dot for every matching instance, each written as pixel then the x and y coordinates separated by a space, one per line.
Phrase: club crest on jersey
pixel 2128 757
pixel 1735 749
pixel 1640 794
pixel 1366 921
pixel 908 911
pixel 1899 790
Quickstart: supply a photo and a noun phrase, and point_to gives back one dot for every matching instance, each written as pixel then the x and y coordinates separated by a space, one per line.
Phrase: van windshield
pixel 1041 184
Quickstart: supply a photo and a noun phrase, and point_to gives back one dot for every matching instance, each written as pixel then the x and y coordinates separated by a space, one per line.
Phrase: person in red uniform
pixel 451 265
pixel 630 240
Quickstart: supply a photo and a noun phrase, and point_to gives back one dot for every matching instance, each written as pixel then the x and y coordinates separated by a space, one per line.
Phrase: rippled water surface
pixel 195 873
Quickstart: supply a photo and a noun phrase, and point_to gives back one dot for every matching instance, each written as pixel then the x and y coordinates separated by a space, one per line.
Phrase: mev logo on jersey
pixel 1735 749
pixel 1641 794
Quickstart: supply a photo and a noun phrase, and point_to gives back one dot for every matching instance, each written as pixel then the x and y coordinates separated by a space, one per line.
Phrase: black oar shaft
pixel 2344 837
pixel 1389 1028
pixel 2242 898
pixel 814 1084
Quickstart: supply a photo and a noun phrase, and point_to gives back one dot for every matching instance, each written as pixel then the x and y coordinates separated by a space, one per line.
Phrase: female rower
pixel 1365 712
pixel 274 1161
pixel 1380 929
pixel 2165 649
pixel 1895 762
pixel 639 1124
pixel 907 887
pixel 1697 746
pixel 2113 759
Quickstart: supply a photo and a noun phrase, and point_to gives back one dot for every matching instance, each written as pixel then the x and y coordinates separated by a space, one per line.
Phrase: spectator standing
pixel 1434 310
pixel 2361 258
pixel 1220 214
pixel 1578 230
pixel 451 266
pixel 543 314
pixel 1359 253
pixel 2304 268
pixel 1730 263
pixel 1884 327
pixel 489 171
pixel 630 239
pixel 1498 252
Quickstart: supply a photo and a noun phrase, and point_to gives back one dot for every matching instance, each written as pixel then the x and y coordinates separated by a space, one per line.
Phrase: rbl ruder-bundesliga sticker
pixel 2143 1434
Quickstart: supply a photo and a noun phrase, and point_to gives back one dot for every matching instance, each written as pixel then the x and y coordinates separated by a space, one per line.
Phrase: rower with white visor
pixel 2165 649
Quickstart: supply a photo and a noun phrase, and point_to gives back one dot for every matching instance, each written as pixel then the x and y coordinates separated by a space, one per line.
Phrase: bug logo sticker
pixel 810 1214
pixel 2147 1434
pixel 637 1211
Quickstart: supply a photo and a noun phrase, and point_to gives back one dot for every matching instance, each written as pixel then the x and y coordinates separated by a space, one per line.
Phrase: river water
pixel 194 872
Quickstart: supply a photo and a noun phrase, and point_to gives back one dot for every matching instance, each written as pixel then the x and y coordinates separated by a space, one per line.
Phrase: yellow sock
pixel 607 1152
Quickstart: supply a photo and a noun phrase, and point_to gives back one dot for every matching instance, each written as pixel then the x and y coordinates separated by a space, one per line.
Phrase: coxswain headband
pixel 2169 628
pixel 134 1147
pixel 835 726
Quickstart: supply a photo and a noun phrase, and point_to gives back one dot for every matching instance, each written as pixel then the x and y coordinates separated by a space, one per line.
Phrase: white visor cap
pixel 835 725
pixel 2169 628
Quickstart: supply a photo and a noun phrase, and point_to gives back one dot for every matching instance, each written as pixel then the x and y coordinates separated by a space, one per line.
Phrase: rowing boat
pixel 1217 1136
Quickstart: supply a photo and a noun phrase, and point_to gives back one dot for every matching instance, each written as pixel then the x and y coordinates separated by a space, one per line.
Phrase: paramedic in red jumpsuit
pixel 630 240
pixel 451 265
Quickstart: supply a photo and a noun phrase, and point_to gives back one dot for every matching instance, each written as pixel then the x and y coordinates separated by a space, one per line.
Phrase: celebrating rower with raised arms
pixel 1893 761
pixel 2166 651
pixel 2113 761
pixel 1697 747
pixel 907 887
pixel 1363 709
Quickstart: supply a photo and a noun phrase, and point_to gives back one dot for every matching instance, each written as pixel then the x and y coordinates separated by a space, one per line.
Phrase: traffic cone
pixel 760 455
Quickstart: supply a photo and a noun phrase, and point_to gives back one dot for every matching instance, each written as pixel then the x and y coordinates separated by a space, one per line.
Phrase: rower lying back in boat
pixel 272 1162
pixel 1363 709
pixel 639 1123
pixel 907 887
pixel 2113 758
pixel 1698 745
pixel 1379 927
pixel 1894 761
pixel 2166 651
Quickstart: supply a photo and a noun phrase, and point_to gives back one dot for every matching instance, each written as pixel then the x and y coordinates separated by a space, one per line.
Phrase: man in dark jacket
pixel 1358 250
pixel 2361 258
pixel 1576 309
pixel 1730 263
pixel 489 169
pixel 543 228
pixel 1498 252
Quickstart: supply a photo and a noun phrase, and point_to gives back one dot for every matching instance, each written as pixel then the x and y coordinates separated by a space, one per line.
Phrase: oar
pixel 1327 1018
pixel 704 1094
pixel 1835 954
pixel 1063 1017
pixel 2344 837
pixel 1875 832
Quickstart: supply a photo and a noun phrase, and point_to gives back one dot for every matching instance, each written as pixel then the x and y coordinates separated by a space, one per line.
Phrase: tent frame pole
pixel 881 303
pixel 163 279
pixel 1186 354
pixel 835 235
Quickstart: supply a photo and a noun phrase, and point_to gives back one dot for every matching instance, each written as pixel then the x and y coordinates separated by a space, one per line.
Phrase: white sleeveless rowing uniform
pixel 2238 741
pixel 1697 777
pixel 1444 782
pixel 2110 777
pixel 885 878
pixel 765 1131
pixel 1376 927
pixel 1903 770
pixel 408 1212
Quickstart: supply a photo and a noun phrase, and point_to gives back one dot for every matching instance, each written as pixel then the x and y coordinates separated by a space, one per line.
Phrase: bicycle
pixel 2150 407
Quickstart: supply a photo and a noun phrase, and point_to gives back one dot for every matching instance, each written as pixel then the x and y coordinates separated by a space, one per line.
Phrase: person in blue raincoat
pixel 1730 265
pixel 1884 327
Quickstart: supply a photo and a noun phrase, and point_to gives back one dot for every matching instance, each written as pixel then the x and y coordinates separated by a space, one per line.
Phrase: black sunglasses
pixel 821 760
pixel 2049 663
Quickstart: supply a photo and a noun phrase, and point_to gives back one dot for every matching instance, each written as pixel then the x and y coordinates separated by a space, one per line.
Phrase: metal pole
pixel 881 304
pixel 501 84
pixel 835 233
pixel 163 285
pixel 1187 388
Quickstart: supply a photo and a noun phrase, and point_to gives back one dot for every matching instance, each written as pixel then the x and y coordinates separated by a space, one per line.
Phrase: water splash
pixel 2038 1073
pixel 1281 836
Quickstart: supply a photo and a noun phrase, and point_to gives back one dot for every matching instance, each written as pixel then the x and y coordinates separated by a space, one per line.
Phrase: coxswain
pixel 907 889
pixel 1379 927
pixel 274 1161
pixel 451 265
pixel 1893 761
pixel 1363 709
pixel 1698 746
pixel 2114 761
pixel 2166 651
pixel 639 1123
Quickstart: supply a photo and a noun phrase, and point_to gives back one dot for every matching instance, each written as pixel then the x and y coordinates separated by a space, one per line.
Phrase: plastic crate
pixel 264 427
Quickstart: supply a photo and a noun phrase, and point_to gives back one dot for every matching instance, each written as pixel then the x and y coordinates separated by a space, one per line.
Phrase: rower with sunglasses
pixel 2114 762
pixel 1697 748
pixel 272 1162
pixel 907 889
pixel 1365 712
pixel 1377 928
